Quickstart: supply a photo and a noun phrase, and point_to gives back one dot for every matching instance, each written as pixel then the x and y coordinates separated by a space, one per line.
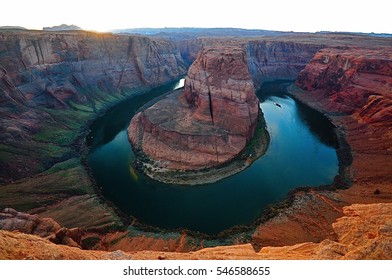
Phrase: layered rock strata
pixel 43 74
pixel 353 81
pixel 13 220
pixel 271 60
pixel 51 85
pixel 364 232
pixel 352 87
pixel 209 122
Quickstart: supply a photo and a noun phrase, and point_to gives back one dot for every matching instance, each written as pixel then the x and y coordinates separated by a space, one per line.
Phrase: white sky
pixel 295 15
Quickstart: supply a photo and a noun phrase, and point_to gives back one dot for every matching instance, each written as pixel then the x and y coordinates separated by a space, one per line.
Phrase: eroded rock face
pixel 220 90
pixel 354 81
pixel 43 71
pixel 352 87
pixel 278 60
pixel 206 125
pixel 364 232
pixel 48 70
pixel 13 220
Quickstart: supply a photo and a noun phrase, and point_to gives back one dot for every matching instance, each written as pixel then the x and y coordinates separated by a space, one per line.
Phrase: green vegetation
pixel 5 156
pixel 62 180
pixel 259 142
pixel 55 183
pixel 65 193
pixel 90 242
pixel 157 234
pixel 64 166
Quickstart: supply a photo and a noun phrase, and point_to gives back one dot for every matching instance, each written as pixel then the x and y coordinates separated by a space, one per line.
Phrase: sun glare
pixel 301 15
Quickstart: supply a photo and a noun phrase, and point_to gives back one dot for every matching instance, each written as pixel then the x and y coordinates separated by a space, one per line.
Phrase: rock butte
pixel 207 124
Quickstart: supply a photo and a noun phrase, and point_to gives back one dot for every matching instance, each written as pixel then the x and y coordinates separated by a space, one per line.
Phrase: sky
pixel 283 15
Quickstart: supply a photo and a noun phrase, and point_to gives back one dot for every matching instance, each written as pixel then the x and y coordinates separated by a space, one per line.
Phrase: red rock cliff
pixel 207 125
pixel 220 90
pixel 278 59
pixel 353 81
pixel 352 86
pixel 42 71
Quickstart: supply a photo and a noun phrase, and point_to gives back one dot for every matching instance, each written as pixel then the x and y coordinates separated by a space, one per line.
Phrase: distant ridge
pixel 194 32
pixel 62 27
pixel 356 33
pixel 12 28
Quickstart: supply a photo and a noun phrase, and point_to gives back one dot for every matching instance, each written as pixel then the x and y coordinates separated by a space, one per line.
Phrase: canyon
pixel 45 73
pixel 343 84
pixel 53 84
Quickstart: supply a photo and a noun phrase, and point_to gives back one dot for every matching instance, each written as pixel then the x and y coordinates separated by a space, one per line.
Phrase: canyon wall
pixel 51 85
pixel 352 86
pixel 43 74
pixel 354 81
pixel 270 60
pixel 208 124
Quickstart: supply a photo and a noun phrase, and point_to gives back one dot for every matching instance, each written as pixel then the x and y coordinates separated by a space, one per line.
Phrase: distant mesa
pixel 12 28
pixel 62 27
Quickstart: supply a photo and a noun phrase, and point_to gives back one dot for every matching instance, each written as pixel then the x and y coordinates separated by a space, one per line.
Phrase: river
pixel 301 152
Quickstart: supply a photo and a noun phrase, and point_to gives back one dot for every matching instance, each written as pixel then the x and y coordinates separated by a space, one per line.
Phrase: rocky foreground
pixel 206 125
pixel 364 232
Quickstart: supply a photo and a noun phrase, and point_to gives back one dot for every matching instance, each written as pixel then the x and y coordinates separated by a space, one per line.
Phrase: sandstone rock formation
pixel 51 84
pixel 67 71
pixel 220 91
pixel 271 60
pixel 207 125
pixel 352 87
pixel 365 232
pixel 13 220
pixel 21 246
pixel 354 81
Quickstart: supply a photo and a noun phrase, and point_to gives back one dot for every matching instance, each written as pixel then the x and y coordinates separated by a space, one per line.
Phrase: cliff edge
pixel 352 86
pixel 364 232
